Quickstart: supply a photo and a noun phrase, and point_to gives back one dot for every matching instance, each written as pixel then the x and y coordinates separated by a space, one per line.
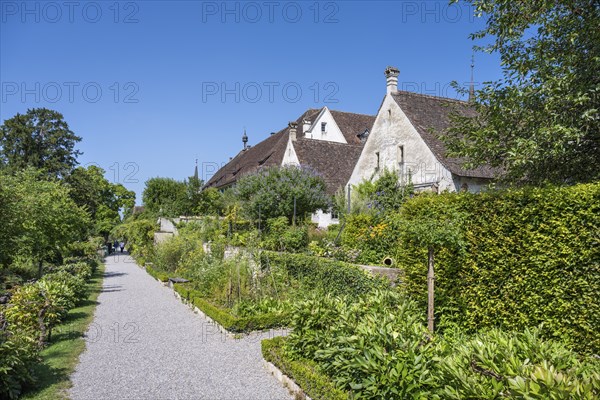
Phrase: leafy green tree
pixel 541 121
pixel 386 194
pixel 41 139
pixel 101 198
pixel 166 197
pixel 272 192
pixel 211 202
pixel 434 225
pixel 46 218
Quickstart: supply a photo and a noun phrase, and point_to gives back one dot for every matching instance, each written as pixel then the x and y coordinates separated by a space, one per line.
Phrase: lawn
pixel 61 356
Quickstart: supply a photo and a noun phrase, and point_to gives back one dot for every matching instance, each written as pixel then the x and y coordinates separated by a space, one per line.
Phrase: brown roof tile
pixel 430 117
pixel 333 161
pixel 328 158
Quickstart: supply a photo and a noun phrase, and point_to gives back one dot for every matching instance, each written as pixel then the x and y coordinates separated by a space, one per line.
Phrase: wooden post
pixel 430 291
pixel 294 220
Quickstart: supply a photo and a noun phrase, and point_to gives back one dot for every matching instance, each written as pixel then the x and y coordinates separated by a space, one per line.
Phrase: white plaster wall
pixel 323 219
pixel 390 130
pixel 290 157
pixel 332 133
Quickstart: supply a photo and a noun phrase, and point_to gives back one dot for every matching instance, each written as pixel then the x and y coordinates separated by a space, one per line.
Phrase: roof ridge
pixel 355 113
pixel 304 138
pixel 398 92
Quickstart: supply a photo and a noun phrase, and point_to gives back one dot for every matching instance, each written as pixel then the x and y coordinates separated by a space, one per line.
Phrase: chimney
pixel 391 76
pixel 306 124
pixel 293 126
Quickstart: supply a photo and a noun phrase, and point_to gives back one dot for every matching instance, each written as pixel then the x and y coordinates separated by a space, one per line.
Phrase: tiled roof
pixel 271 150
pixel 333 161
pixel 352 124
pixel 430 117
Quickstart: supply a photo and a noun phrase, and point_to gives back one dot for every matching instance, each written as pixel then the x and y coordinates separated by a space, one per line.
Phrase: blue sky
pixel 151 86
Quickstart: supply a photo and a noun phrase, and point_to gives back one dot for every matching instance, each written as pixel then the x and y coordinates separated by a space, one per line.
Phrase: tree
pixel 101 198
pixel 166 197
pixel 211 202
pixel 40 139
pixel 432 221
pixel 46 218
pixel 541 121
pixel 282 191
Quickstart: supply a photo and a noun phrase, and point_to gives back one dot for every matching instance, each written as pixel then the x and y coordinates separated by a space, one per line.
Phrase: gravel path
pixel 146 344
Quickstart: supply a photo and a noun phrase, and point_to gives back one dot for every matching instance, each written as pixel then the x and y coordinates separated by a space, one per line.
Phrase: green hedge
pixel 161 276
pixel 332 276
pixel 229 321
pixel 304 372
pixel 532 256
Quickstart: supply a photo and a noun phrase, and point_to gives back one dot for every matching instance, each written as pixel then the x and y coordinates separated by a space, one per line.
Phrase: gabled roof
pixel 430 117
pixel 271 150
pixel 333 161
pixel 352 124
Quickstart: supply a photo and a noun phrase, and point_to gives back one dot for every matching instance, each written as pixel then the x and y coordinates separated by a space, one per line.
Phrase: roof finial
pixel 196 170
pixel 472 85
pixel 245 139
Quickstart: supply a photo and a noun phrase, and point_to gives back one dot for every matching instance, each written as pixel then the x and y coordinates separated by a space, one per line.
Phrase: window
pixel 323 127
pixel 377 155
pixel 401 154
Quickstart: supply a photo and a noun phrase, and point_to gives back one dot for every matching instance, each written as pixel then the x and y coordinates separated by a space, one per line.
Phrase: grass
pixel 61 356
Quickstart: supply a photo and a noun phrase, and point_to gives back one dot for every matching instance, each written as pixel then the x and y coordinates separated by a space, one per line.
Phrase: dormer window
pixel 323 127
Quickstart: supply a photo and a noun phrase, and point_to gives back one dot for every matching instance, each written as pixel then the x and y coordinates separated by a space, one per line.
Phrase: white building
pixel 405 138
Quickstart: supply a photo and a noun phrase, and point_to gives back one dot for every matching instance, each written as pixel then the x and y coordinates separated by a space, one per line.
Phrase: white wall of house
pixel 332 131
pixel 323 219
pixel 395 144
pixel 290 157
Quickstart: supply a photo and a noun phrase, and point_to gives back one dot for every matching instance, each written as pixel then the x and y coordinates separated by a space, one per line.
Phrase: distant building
pixel 404 138
pixel 330 142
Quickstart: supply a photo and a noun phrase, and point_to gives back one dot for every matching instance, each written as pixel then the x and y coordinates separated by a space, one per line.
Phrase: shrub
pixel 326 275
pixel 497 364
pixel 364 346
pixel 18 355
pixel 530 257
pixel 304 372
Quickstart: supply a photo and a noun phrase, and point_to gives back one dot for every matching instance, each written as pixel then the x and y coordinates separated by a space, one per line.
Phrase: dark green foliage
pixel 531 256
pixel 541 121
pixel 377 346
pixel 159 275
pixel 226 319
pixel 38 139
pixel 281 236
pixel 497 364
pixel 304 372
pixel 100 198
pixel 328 276
pixel 26 322
pixel 374 346
pixel 270 193
pixel 166 197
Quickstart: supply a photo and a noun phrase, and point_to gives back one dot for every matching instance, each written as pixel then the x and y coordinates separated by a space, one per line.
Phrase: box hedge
pixel 532 256
pixel 304 372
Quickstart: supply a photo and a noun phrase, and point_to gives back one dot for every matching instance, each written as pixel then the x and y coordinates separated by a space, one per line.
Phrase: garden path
pixel 145 344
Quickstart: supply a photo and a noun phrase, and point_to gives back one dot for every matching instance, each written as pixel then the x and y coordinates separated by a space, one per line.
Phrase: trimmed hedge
pixel 229 321
pixel 335 277
pixel 161 276
pixel 304 372
pixel 532 257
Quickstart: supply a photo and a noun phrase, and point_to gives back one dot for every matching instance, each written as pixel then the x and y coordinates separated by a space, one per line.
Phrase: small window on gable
pixel 377 155
pixel 323 127
pixel 390 113
pixel 401 154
